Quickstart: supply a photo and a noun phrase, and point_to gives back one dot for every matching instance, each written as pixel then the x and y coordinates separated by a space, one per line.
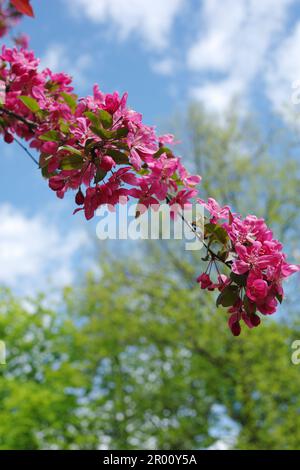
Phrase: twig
pixel 27 151
pixel 29 123
pixel 193 229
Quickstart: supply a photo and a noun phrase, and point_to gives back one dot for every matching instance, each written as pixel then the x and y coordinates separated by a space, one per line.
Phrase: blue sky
pixel 164 53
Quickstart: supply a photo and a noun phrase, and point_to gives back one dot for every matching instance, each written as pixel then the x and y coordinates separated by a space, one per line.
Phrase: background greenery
pixel 136 356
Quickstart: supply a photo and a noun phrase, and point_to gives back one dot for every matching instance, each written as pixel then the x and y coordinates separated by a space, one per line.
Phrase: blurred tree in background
pixel 137 357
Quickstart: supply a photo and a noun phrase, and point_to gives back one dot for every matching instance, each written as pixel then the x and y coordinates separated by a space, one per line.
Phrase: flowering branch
pixel 101 148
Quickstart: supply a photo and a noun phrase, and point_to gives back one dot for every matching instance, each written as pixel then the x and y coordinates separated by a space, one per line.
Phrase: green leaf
pixel 228 296
pixel 102 133
pixel 71 162
pixel 122 132
pixel 223 255
pixel 64 126
pixel 89 146
pixel 209 229
pixel 52 86
pixel 119 157
pixel 239 279
pixel 279 297
pixel 177 179
pixel 122 145
pixel 249 306
pixel 71 149
pixel 216 232
pixel 30 103
pixel 46 174
pixel 221 235
pixel 105 118
pixel 50 136
pixel 42 114
pixel 44 160
pixel 143 171
pixel 92 117
pixel 71 100
pixel 163 150
pixel 100 175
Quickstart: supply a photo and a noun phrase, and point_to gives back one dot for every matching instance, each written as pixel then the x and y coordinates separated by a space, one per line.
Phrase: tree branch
pixel 9 113
pixel 193 229
pixel 27 151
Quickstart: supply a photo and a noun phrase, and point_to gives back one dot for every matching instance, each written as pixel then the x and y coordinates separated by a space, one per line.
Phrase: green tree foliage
pixel 135 361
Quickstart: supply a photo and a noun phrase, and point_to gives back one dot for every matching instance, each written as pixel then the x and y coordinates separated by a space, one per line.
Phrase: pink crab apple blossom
pixel 101 149
pixel 97 142
pixel 255 261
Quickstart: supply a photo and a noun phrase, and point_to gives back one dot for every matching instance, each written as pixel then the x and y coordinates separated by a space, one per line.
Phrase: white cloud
pixel 218 96
pixel 214 47
pixel 33 250
pixel 152 20
pixel 235 42
pixel 164 66
pixel 57 58
pixel 226 47
pixel 283 73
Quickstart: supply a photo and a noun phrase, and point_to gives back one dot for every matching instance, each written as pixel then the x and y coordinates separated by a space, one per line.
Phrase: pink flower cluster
pixel 256 263
pixel 95 145
pixel 100 148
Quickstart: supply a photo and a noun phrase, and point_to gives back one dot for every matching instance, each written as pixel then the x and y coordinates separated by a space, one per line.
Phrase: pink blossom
pixel 257 288
pixel 289 269
pixel 268 306
pixel 205 281
pixel 216 211
pixel 183 198
pixel 234 324
pixel 166 139
pixel 107 163
pixel 251 320
pixel 101 149
pixel 253 257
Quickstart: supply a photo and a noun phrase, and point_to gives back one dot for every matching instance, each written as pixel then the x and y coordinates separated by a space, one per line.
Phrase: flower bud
pixel 236 328
pixel 79 198
pixel 8 138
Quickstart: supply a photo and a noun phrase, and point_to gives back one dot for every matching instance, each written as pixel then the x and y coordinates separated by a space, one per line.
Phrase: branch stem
pixel 194 230
pixel 12 114
pixel 27 151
